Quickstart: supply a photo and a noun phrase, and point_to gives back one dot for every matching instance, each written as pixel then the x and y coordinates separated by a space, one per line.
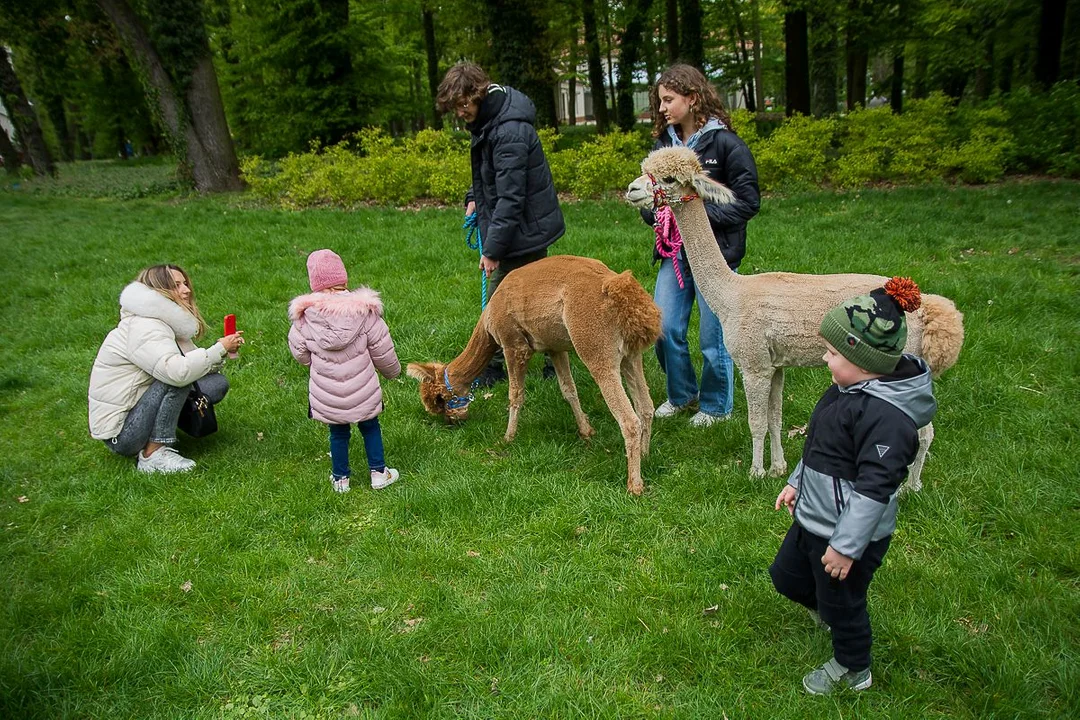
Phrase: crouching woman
pixel 145 367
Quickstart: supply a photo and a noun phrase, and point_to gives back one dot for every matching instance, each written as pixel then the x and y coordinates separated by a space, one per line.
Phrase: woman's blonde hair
pixel 159 277
pixel 687 80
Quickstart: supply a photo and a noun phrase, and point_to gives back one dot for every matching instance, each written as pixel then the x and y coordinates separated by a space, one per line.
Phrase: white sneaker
pixel 341 485
pixel 667 409
pixel 704 419
pixel 164 460
pixel 379 480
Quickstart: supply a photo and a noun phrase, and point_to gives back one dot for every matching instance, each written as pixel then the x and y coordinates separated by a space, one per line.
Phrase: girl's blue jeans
pixel 339 447
pixel 717 372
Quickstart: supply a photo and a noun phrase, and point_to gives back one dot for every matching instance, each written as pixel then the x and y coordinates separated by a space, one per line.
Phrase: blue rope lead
pixel 471 226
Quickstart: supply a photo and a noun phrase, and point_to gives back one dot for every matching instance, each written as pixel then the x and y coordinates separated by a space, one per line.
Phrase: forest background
pixel 226 85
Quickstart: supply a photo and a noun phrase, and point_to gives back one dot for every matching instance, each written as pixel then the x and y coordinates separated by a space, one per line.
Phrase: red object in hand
pixel 230 329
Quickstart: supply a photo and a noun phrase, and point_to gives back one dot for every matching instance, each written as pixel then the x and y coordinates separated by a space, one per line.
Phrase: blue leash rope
pixel 471 226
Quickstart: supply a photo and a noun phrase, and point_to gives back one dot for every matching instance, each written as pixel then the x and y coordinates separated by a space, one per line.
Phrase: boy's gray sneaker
pixel 832 675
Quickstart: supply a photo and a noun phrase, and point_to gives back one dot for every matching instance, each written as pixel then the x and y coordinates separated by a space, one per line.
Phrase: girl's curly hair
pixel 688 81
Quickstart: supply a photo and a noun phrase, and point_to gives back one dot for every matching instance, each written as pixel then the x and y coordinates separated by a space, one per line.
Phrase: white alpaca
pixel 771 320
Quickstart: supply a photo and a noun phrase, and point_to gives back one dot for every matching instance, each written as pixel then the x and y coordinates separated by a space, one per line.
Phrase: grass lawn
pixel 522 580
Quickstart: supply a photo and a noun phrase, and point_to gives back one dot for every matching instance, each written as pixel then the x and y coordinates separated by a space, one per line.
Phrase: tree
pixel 185 92
pixel 858 53
pixel 522 50
pixel 8 153
pixel 671 22
pixel 24 118
pixel 596 70
pixel 691 42
pixel 432 54
pixel 630 51
pixel 796 62
pixel 824 58
pixel 1048 49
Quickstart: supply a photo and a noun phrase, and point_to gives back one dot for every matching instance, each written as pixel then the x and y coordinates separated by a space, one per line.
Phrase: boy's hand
pixel 787 498
pixel 836 564
pixel 470 208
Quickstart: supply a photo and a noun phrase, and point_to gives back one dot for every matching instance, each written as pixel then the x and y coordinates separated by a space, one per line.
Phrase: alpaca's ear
pixel 421 371
pixel 712 191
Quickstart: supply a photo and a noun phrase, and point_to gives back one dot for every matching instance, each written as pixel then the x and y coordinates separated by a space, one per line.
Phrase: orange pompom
pixel 905 292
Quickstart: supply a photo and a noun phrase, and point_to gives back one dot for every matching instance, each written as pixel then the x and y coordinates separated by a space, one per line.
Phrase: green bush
pixel 796 155
pixel 931 140
pixel 1046 129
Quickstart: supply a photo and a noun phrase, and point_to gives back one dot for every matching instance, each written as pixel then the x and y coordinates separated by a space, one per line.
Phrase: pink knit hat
pixel 325 269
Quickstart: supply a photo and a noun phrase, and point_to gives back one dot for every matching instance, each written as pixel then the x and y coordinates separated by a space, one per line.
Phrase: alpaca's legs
pixel 914 482
pixel 561 361
pixel 633 372
pixel 776 423
pixel 612 389
pixel 757 389
pixel 516 363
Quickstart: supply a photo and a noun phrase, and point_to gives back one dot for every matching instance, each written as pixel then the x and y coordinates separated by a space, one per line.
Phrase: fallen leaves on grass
pixel 186 587
pixel 797 430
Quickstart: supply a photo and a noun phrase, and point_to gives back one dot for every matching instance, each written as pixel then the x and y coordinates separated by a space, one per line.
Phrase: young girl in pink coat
pixel 341 337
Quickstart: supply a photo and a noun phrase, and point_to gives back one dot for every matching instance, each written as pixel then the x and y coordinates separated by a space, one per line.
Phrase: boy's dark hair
pixel 464 80
pixel 687 80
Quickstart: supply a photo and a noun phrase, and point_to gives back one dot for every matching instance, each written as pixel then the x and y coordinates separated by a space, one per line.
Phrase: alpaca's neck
pixel 717 282
pixel 467 366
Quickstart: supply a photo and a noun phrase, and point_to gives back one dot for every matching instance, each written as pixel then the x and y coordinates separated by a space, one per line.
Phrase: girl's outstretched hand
pixel 231 343
pixel 787 498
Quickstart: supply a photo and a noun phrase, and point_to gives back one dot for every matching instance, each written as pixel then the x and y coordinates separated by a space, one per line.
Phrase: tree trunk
pixel 796 63
pixel 747 82
pixel 629 52
pixel 759 85
pixel 194 125
pixel 691 44
pixel 1051 33
pixel 596 69
pixel 671 25
pixel 824 61
pixel 858 55
pixel 432 64
pixel 522 56
pixel 571 80
pixel 610 60
pixel 984 72
pixel 10 156
pixel 1005 74
pixel 24 118
pixel 896 95
pixel 919 88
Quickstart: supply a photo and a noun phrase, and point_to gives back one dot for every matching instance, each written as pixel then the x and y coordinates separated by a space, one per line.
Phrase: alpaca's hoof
pixel 586 432
pixel 757 472
pixel 778 470
pixel 635 489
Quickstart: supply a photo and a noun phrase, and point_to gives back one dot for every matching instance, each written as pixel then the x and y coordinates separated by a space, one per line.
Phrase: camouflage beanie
pixel 870 330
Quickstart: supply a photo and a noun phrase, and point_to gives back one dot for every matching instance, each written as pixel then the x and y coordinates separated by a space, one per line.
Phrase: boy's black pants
pixel 797 573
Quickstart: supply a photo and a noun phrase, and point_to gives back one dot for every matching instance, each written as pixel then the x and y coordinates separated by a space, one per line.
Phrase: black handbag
pixel 197 417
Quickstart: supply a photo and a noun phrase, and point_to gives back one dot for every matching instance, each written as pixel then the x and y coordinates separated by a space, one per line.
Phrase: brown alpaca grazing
pixel 556 305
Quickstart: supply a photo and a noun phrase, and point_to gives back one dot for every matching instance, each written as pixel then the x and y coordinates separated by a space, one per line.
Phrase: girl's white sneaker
pixel 379 480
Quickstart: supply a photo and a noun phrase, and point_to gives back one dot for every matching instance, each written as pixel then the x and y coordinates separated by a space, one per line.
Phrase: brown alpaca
pixel 771 320
pixel 555 305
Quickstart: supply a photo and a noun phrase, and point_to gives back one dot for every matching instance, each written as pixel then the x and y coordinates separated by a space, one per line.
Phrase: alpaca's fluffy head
pixel 671 173
pixel 435 396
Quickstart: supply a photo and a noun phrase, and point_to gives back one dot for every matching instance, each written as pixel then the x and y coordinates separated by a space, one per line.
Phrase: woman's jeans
pixel 154 417
pixel 673 351
pixel 339 447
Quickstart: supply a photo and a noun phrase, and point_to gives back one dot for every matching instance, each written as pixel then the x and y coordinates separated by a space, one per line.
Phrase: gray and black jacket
pixel 516 204
pixel 859 444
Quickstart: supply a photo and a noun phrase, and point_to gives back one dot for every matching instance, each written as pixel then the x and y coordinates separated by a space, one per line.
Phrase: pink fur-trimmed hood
pixel 359 301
